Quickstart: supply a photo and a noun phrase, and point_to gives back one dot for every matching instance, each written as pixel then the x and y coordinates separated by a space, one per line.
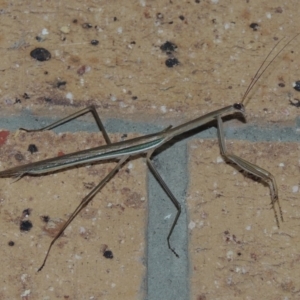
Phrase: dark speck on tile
pixel 171 62
pixel 40 54
pixel 254 26
pixel 11 243
pixel 32 148
pixel 108 254
pixel 94 42
pixel 25 225
pixel 168 47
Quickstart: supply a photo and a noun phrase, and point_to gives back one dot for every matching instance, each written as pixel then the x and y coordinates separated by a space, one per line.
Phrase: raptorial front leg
pixel 79 113
pixel 171 196
pixel 251 169
pixel 84 202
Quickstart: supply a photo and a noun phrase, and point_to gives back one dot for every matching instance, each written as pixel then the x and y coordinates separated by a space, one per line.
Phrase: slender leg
pixel 84 202
pixel 252 169
pixel 171 196
pixel 91 109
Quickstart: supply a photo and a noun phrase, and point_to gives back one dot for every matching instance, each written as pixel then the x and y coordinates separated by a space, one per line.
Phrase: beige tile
pixel 237 252
pixel 218 53
pixel 114 220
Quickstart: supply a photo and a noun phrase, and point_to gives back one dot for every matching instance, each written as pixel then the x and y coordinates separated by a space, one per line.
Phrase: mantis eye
pixel 238 106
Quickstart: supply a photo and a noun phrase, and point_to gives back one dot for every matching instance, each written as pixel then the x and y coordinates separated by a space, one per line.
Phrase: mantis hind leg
pixel 84 202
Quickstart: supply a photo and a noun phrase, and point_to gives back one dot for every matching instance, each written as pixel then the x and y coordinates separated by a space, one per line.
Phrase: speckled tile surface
pixel 219 47
pixel 236 249
pixel 113 221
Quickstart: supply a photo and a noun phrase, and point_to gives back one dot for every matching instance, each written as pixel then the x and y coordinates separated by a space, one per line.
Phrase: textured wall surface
pixel 108 54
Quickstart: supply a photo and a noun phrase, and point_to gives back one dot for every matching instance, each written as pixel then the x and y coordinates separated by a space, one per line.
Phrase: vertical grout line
pixel 167 275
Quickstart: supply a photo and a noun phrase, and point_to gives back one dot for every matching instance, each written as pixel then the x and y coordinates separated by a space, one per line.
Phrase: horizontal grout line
pixel 233 129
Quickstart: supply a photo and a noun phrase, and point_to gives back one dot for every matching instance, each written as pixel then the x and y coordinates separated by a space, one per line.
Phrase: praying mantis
pixel 146 145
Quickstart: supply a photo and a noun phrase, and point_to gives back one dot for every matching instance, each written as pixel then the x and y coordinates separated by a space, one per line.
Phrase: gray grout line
pixel 234 130
pixel 167 276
